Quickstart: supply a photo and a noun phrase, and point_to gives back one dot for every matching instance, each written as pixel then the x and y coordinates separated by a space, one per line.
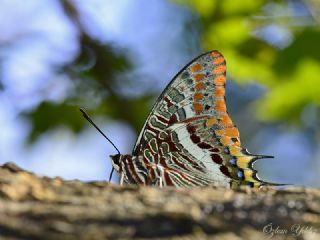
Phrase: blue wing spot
pixel 240 174
pixel 233 161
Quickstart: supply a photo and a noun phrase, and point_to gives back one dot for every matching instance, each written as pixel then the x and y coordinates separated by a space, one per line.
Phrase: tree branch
pixel 33 207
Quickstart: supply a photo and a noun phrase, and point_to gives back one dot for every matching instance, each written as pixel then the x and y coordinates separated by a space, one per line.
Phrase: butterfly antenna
pixel 110 176
pixel 86 116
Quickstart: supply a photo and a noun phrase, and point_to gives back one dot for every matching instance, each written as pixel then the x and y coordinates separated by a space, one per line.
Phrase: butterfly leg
pixel 161 182
pixel 158 181
pixel 121 179
pixel 160 174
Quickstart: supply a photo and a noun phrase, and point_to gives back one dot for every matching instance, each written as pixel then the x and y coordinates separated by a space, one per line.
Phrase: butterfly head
pixel 116 161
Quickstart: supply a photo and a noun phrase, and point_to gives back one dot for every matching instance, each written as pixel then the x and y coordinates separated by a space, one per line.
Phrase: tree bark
pixel 33 207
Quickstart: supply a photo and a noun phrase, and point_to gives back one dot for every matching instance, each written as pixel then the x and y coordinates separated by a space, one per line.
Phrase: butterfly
pixel 189 139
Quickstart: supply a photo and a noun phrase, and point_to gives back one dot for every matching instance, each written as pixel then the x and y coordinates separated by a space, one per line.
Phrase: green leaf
pixel 287 100
pixel 304 46
pixel 49 115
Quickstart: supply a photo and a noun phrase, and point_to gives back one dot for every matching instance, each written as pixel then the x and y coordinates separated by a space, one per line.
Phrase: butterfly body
pixel 189 138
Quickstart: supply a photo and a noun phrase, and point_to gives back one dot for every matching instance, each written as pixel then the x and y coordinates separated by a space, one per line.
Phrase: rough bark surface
pixel 33 207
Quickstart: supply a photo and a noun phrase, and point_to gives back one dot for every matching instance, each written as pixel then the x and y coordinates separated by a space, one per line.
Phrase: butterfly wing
pixel 190 134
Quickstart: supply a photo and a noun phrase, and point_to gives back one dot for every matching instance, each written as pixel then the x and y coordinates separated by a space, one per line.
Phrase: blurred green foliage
pixel 290 72
pixel 49 115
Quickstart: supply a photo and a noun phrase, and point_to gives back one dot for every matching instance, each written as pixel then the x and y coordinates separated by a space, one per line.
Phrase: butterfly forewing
pixel 198 89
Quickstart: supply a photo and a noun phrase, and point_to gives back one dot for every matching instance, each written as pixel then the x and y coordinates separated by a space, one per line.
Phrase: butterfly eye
pixel 116 159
